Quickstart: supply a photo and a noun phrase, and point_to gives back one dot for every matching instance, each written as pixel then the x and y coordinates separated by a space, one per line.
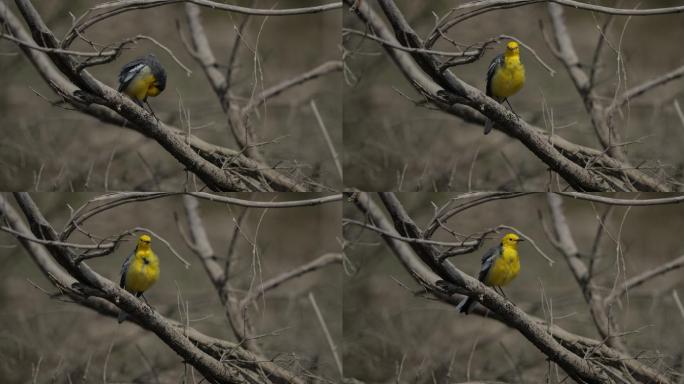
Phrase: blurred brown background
pixel 51 341
pixel 391 144
pixel 386 327
pixel 64 147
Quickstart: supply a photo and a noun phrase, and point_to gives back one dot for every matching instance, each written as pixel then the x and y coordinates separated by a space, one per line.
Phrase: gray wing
pixel 124 268
pixel 488 260
pixel 497 62
pixel 129 71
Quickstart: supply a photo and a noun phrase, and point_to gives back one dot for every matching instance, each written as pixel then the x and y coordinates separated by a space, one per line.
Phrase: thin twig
pixel 328 140
pixel 328 337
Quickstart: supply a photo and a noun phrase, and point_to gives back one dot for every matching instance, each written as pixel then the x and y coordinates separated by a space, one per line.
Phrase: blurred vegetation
pixel 388 329
pixel 392 144
pixel 48 340
pixel 66 150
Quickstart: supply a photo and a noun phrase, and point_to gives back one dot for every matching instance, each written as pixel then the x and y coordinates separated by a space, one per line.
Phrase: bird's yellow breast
pixel 509 78
pixel 142 272
pixel 505 268
pixel 142 85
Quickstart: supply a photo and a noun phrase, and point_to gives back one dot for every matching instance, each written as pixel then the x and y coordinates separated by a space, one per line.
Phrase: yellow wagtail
pixel 141 78
pixel 505 77
pixel 500 265
pixel 140 270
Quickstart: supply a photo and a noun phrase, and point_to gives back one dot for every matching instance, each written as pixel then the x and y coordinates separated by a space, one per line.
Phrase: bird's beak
pixel 519 240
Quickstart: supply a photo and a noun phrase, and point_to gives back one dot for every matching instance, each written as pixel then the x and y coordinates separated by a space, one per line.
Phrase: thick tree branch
pixel 91 283
pixel 220 168
pixel 237 317
pixel 567 246
pixel 423 71
pixel 425 275
pixel 603 363
pixel 68 286
pixel 567 54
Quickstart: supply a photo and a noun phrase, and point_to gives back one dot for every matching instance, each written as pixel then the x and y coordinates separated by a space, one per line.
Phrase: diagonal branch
pixel 574 365
pixel 567 54
pixel 577 355
pixel 644 277
pixel 274 282
pixel 90 283
pixel 220 168
pixel 566 245
pixel 69 287
pixel 640 89
pixel 454 96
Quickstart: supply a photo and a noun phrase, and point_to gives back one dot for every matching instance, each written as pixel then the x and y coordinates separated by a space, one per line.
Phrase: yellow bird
pixel 505 77
pixel 500 265
pixel 140 270
pixel 142 78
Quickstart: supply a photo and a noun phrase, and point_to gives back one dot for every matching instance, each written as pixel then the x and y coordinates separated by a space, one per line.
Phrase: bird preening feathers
pixel 142 78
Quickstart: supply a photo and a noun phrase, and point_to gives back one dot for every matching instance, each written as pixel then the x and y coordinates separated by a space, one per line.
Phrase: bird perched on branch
pixel 140 270
pixel 500 265
pixel 505 77
pixel 142 78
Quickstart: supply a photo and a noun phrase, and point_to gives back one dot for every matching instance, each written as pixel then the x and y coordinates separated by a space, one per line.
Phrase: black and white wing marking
pixel 129 71
pixel 488 261
pixel 124 268
pixel 497 62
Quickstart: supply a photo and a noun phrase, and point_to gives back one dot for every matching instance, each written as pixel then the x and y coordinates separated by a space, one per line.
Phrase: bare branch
pixel 452 95
pixel 328 140
pixel 603 362
pixel 93 284
pixel 247 364
pixel 582 81
pixel 643 88
pixel 117 7
pixel 577 5
pixel 274 282
pixel 328 337
pixel 580 271
pixel 644 277
pixel 625 202
pixel 574 365
pixel 220 168
pixel 323 69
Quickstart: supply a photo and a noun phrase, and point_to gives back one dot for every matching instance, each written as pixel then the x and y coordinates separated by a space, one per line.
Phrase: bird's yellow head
pixel 144 242
pixel 511 240
pixel 512 48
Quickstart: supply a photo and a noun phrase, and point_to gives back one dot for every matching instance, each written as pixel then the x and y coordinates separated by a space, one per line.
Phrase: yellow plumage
pixel 509 78
pixel 142 85
pixel 500 265
pixel 140 270
pixel 505 268
pixel 505 77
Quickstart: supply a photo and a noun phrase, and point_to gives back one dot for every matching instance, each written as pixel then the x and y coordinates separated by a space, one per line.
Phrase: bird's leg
pixel 511 107
pixel 145 299
pixel 151 111
pixel 504 295
pixel 500 290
